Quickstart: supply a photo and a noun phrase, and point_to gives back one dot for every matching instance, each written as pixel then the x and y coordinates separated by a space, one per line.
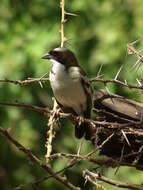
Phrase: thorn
pixel 138 82
pixel 126 82
pixel 138 66
pixel 121 158
pixel 80 146
pixel 70 14
pixel 86 180
pixel 65 20
pixel 109 94
pixel 40 83
pixel 118 72
pixel 125 137
pixel 137 62
pixel 65 39
pixel 108 91
pixel 140 50
pixel 99 77
pixel 134 42
pixel 100 68
pixel 43 76
pixel 129 51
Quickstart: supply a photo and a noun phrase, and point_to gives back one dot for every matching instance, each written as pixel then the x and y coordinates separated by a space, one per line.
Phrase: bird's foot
pixel 79 127
pixel 80 120
pixel 56 109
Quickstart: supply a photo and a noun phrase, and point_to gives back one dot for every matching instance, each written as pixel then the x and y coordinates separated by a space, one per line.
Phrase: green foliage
pixel 28 29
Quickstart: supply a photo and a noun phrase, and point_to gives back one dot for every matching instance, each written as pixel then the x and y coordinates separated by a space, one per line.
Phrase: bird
pixel 70 87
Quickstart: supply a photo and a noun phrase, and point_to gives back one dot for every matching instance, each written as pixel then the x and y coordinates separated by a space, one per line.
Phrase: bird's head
pixel 62 55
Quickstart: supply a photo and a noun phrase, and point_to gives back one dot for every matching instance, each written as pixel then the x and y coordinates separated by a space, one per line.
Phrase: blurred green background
pixel 99 36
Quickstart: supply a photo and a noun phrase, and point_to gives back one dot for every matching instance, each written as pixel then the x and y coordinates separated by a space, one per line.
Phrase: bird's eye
pixel 51 52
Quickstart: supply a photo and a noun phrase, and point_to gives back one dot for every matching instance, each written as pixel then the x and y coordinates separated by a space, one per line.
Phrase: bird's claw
pixel 80 120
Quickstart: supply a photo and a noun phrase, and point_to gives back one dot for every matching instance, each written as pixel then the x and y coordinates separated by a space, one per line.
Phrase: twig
pixel 102 162
pixel 42 110
pixel 97 185
pixel 118 72
pixel 24 82
pixel 132 50
pixel 97 79
pixel 97 176
pixel 80 147
pixel 70 14
pixel 62 4
pixel 139 155
pixel 46 111
pixel 124 134
pixel 100 146
pixel 77 158
pixel 113 81
pixel 50 133
pixel 42 179
pixel 61 114
pixel 36 160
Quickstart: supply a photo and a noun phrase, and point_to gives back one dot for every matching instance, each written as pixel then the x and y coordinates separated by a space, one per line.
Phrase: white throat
pixel 57 67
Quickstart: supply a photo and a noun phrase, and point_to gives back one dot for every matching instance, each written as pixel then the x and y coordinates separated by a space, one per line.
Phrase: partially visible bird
pixel 70 87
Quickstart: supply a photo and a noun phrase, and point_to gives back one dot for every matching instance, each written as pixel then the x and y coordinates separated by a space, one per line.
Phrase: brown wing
pixel 66 109
pixel 119 106
pixel 86 87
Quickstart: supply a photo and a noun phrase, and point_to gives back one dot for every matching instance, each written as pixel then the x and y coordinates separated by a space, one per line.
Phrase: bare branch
pixel 43 110
pixel 113 81
pixel 46 111
pixel 96 176
pixel 62 4
pixel 50 133
pixel 25 82
pixel 97 79
pixel 36 160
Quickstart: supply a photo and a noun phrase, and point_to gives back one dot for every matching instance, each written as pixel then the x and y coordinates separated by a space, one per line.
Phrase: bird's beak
pixel 46 56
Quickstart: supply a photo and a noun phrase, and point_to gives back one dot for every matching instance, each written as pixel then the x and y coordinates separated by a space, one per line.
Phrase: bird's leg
pixel 56 109
pixel 79 127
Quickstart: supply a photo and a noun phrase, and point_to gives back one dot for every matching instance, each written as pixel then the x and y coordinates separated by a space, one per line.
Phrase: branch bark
pixel 62 4
pixel 36 160
pixel 96 176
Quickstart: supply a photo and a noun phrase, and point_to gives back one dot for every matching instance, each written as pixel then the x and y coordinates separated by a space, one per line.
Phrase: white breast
pixel 67 87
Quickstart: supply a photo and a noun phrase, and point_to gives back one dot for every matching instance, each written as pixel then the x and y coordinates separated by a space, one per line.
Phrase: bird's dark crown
pixel 64 56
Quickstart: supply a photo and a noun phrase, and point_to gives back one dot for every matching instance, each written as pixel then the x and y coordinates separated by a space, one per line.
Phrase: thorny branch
pixel 115 81
pixel 96 124
pixel 46 112
pixel 25 82
pixel 52 118
pixel 43 110
pixel 98 79
pixel 76 158
pixel 92 176
pixel 50 133
pixel 62 4
pixel 36 160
